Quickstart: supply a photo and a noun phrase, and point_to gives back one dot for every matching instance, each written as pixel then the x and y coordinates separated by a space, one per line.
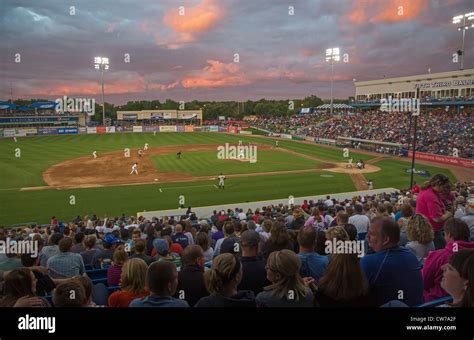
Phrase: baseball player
pixel 140 152
pixel 14 138
pixel 276 143
pixel 134 168
pixel 178 155
pixel 370 184
pixel 221 181
pixel 94 154
pixel 145 147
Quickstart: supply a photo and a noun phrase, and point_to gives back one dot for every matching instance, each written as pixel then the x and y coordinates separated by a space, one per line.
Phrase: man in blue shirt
pixel 162 280
pixel 312 264
pixel 393 272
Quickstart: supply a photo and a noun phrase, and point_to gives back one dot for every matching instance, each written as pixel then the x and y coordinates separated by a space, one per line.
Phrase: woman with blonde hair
pixel 222 281
pixel 420 237
pixel 132 283
pixel 288 288
pixel 115 270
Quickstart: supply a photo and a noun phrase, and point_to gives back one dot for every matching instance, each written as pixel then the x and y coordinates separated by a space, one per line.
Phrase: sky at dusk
pixel 191 54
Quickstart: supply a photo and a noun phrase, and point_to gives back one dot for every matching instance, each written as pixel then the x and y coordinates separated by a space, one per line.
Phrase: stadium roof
pixel 335 106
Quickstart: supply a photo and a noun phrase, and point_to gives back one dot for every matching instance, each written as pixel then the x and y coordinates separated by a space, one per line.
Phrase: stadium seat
pixel 436 303
pixel 112 289
pixel 100 280
pixel 361 236
pixel 88 267
pixel 49 298
pixel 97 273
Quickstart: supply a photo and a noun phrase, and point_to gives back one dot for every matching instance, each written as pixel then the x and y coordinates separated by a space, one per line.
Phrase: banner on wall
pixel 285 136
pixel 189 128
pixel 179 128
pixel 47 131
pixel 31 131
pixel 151 128
pixel 464 162
pixel 138 129
pixel 199 129
pixel 91 129
pixel 82 130
pixel 67 131
pixel 110 129
pixel 101 129
pixel 187 115
pixel 20 133
pixel 8 132
pixel 231 129
pixel 222 128
pixel 243 132
pixel 171 128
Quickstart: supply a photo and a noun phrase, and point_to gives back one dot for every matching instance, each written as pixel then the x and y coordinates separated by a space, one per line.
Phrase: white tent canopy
pixel 335 106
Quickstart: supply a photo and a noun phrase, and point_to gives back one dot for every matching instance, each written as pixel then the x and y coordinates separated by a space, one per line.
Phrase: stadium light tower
pixel 464 22
pixel 102 64
pixel 332 55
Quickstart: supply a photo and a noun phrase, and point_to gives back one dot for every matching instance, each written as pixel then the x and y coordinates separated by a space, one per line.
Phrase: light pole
pixel 332 55
pixel 463 26
pixel 102 64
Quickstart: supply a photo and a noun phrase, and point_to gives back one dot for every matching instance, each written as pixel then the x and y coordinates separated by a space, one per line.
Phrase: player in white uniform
pixel 140 152
pixel 134 168
pixel 276 143
pixel 14 138
pixel 145 147
pixel 94 154
pixel 221 181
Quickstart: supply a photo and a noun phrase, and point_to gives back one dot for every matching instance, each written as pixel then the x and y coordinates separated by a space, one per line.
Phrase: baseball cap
pixel 111 239
pixel 249 238
pixel 161 245
pixel 229 246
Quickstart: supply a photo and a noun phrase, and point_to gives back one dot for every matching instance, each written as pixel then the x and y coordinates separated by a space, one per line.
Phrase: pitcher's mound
pixel 342 168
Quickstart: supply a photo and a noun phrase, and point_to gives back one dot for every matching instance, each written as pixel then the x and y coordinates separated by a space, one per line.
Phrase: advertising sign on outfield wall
pixel 91 129
pixel 464 162
pixel 151 128
pixel 231 129
pixel 110 129
pixel 8 132
pixel 31 131
pixel 138 128
pixel 179 128
pixel 67 131
pixel 82 130
pixel 20 133
pixel 213 128
pixel 222 129
pixel 283 135
pixel 47 131
pixel 199 129
pixel 189 128
pixel 243 132
pixel 171 128
pixel 101 129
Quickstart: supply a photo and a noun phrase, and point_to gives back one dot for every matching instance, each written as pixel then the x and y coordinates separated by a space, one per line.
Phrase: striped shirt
pixel 65 265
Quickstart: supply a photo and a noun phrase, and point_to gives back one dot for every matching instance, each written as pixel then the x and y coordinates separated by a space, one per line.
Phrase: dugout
pixel 370 145
pixel 160 117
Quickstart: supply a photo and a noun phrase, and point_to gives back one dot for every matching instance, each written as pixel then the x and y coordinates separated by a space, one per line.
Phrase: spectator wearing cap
pixel 132 283
pixel 163 252
pixel 228 233
pixel 231 245
pixel 254 276
pixel 162 280
pixel 115 270
pixel 140 252
pixel 359 220
pixel 457 236
pixel 191 285
pixel 66 264
pixel 103 258
pixel 391 269
pixel 222 282
pixel 430 205
pixel 90 249
pixel 287 288
pixel 180 237
pixel 51 249
pixel 312 264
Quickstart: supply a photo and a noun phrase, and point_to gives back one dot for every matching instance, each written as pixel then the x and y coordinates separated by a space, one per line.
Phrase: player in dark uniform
pixel 178 155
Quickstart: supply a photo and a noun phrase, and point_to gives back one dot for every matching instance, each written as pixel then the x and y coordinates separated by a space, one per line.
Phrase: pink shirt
pixel 430 205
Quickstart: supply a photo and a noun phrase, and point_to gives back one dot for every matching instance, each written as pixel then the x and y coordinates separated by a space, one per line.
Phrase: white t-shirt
pixel 328 203
pixel 242 216
pixel 361 222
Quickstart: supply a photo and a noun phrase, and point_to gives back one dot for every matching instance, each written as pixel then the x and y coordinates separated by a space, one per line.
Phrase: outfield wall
pixel 206 212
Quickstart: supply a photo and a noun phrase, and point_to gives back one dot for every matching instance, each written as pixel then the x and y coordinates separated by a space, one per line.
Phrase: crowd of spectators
pixel 438 132
pixel 418 241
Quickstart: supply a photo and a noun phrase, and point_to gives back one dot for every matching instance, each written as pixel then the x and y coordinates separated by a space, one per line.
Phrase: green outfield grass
pixel 40 153
pixel 207 163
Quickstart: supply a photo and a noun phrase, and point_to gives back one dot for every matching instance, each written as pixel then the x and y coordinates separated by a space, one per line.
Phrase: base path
pixel 113 168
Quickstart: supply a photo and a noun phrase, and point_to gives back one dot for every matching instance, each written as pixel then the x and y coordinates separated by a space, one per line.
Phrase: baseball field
pixel 50 176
